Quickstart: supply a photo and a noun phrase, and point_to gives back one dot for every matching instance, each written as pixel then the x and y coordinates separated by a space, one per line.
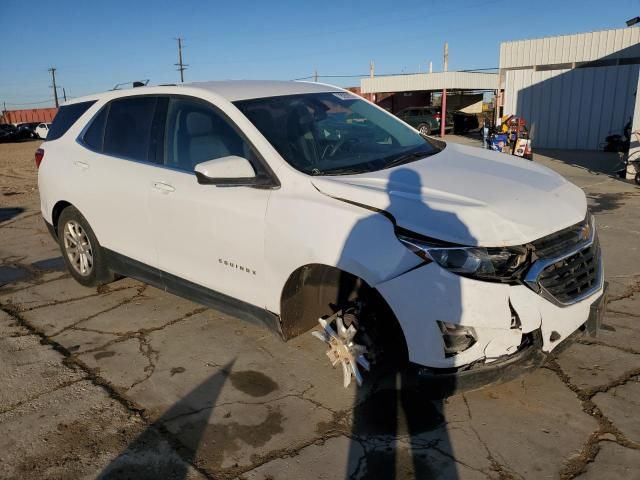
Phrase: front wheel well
pixel 316 290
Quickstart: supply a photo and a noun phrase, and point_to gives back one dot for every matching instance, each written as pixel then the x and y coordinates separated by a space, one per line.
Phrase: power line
pixel 30 103
pixel 181 66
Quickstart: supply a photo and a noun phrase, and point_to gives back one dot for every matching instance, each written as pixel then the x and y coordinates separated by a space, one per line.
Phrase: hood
pixel 468 196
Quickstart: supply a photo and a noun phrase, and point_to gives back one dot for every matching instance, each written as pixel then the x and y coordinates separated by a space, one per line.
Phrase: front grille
pixel 568 266
pixel 559 242
pixel 574 276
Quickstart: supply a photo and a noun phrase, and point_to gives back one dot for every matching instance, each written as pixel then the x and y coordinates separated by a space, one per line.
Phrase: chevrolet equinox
pixel 305 207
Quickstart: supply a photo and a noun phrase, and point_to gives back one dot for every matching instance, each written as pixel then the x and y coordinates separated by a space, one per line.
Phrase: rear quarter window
pixel 94 136
pixel 67 116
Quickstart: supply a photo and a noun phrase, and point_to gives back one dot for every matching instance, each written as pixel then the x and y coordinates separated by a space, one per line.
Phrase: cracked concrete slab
pixel 63 314
pixel 327 458
pixel 150 310
pixel 620 331
pixel 237 435
pixel 613 462
pixel 621 405
pixel 122 363
pixel 23 359
pixel 590 368
pixel 532 414
pixel 99 427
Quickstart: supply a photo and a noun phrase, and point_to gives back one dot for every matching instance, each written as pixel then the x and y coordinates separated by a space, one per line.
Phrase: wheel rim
pixel 342 348
pixel 78 248
pixel 424 130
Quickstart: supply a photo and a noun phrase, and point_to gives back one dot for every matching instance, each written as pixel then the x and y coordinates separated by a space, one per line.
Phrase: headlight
pixel 502 264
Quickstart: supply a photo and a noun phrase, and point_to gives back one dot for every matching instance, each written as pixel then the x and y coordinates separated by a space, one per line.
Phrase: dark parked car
pixel 463 122
pixel 9 133
pixel 425 119
pixel 27 130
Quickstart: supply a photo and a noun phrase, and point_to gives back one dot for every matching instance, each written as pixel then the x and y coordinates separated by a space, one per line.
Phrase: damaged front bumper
pixel 515 328
pixel 530 355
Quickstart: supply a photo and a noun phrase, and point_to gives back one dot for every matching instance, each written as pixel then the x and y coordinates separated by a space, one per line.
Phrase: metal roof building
pixel 568 49
pixel 573 90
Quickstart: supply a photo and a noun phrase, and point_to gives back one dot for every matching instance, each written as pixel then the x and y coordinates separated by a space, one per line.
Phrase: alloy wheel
pixel 78 248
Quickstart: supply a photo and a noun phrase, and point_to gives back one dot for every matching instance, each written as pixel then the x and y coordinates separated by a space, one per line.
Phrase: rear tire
pixel 84 257
pixel 424 129
pixel 637 179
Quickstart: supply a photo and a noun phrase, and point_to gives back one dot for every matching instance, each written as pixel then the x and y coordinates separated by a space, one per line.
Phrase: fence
pixel 28 116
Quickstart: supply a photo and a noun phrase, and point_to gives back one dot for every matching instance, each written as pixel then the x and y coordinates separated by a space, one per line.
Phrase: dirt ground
pixel 127 381
pixel 18 172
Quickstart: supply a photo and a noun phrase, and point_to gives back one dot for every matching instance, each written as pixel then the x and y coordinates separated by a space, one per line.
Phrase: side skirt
pixel 129 267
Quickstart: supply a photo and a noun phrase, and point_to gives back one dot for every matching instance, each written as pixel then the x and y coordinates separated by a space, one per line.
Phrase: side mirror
pixel 226 171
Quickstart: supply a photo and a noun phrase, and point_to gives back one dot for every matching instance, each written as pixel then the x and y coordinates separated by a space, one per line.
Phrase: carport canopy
pixel 430 81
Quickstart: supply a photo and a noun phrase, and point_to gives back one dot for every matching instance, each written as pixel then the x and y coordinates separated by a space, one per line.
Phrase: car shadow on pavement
pixel 399 428
pixel 149 456
pixel 7 214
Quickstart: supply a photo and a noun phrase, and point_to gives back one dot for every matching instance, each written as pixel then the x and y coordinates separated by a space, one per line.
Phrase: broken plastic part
pixel 342 348
pixel 457 338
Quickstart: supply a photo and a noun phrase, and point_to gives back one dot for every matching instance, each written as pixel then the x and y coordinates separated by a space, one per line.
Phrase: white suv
pixel 290 203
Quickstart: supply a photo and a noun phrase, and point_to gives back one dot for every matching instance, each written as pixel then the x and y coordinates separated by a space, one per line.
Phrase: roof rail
pixel 134 83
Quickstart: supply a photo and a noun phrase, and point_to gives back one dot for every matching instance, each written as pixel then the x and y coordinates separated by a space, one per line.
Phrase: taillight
pixel 39 157
pixel 437 116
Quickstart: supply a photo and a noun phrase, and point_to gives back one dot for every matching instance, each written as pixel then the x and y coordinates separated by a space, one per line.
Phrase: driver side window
pixel 195 133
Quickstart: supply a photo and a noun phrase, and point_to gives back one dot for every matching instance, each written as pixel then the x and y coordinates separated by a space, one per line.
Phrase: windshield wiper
pixel 340 171
pixel 406 158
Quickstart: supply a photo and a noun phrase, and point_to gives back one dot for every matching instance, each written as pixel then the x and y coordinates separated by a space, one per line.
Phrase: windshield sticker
pixel 345 96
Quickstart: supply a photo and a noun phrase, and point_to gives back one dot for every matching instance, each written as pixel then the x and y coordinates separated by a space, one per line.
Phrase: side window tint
pixel 196 133
pixel 66 116
pixel 128 130
pixel 94 136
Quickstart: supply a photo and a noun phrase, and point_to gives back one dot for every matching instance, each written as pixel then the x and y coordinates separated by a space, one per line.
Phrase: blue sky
pixel 96 44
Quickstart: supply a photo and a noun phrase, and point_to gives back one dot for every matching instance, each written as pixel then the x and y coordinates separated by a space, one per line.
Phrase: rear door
pixel 117 168
pixel 211 236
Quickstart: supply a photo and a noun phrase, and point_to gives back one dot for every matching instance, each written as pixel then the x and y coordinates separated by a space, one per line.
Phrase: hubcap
pixel 424 130
pixel 78 248
pixel 342 348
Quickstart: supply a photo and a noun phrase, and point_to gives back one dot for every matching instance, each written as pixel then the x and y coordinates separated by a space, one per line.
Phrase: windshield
pixel 334 133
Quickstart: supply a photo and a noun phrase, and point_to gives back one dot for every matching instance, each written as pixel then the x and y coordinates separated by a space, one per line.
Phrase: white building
pixel 573 90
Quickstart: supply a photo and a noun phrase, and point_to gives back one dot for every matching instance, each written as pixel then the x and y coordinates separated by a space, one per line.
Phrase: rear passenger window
pixel 66 116
pixel 128 129
pixel 196 133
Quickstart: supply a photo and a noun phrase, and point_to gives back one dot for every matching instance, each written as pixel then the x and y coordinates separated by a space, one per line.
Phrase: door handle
pixel 163 187
pixel 80 164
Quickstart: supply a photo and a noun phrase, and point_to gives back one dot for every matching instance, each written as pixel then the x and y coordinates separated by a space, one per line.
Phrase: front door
pixel 211 236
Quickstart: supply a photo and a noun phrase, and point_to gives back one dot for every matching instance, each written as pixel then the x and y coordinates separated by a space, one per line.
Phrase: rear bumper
pixel 444 382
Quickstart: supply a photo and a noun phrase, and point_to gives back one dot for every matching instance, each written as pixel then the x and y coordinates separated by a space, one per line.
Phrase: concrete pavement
pixel 127 381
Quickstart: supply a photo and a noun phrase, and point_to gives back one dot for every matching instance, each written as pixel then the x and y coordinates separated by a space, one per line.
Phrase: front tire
pixel 82 254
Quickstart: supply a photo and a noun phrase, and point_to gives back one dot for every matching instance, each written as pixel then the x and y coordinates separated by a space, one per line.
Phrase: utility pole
pixel 55 89
pixel 315 75
pixel 430 67
pixel 181 66
pixel 443 110
pixel 372 68
pixel 64 94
